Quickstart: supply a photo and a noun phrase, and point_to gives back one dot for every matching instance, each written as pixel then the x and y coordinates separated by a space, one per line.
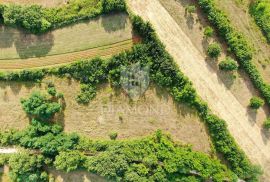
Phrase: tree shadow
pixel 30 45
pixel 114 22
pixel 6 37
pixel 27 45
pixel 190 21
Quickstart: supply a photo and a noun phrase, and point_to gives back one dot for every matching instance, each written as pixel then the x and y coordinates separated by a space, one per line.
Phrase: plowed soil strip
pixel 220 99
pixel 104 51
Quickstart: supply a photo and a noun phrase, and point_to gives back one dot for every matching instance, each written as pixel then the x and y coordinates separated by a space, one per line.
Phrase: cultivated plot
pixel 106 32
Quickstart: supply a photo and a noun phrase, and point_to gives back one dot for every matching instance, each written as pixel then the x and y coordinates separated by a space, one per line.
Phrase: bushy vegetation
pixel 113 135
pixel 40 106
pixel 260 10
pixel 237 43
pixel 228 65
pixel 24 167
pixel 256 103
pixel 214 50
pixel 37 19
pixel 69 160
pixel 191 9
pixel 266 123
pixel 208 32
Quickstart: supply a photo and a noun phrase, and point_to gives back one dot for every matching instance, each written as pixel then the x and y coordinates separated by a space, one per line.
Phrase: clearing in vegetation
pixel 109 111
pixel 192 63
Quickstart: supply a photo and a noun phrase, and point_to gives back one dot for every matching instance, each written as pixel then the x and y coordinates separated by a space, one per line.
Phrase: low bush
pixel 69 161
pixel 24 167
pixel 256 103
pixel 228 65
pixel 214 50
pixel 208 32
pixel 266 123
pixel 113 135
pixel 191 9
pixel 40 106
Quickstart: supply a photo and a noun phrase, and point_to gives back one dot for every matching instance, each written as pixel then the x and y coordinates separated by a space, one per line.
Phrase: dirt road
pixel 222 102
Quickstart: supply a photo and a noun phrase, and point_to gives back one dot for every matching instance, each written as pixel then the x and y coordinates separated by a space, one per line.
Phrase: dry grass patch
pixel 110 111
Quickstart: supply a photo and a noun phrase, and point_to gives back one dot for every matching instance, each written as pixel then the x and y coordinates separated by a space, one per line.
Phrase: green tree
pixel 228 65
pixel 40 106
pixel 24 167
pixel 214 50
pixel 256 103
pixel 69 160
pixel 266 123
pixel 208 32
pixel 191 9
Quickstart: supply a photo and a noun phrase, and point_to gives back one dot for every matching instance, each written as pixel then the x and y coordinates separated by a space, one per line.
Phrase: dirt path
pixel 8 150
pixel 249 136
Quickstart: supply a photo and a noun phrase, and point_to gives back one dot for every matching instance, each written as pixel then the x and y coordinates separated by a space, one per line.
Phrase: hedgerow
pixel 260 10
pixel 37 19
pixel 237 44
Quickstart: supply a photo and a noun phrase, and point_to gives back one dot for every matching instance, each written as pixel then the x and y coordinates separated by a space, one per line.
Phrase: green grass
pixel 105 30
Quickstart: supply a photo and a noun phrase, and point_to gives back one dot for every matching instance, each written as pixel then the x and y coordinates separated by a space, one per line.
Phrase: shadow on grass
pixel 27 45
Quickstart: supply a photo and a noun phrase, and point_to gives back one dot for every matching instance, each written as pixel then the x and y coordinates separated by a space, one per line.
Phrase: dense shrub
pixel 30 18
pixel 266 123
pixel 214 50
pixel 113 135
pixel 260 10
pixel 191 9
pixel 24 167
pixel 256 103
pixel 113 5
pixel 155 158
pixel 69 161
pixel 37 19
pixel 237 44
pixel 208 32
pixel 40 106
pixel 228 65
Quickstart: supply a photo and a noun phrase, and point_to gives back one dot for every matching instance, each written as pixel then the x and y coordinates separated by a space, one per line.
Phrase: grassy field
pixel 110 111
pixel 105 30
pixel 46 3
pixel 48 61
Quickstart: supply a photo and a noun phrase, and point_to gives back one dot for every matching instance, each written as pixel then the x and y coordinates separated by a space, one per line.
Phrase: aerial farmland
pixel 134 90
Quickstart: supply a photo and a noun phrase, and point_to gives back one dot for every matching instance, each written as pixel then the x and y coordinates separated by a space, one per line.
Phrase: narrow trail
pixel 221 101
pixel 8 150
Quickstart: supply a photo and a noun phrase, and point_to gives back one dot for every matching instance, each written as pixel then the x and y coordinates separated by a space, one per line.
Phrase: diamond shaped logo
pixel 135 80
